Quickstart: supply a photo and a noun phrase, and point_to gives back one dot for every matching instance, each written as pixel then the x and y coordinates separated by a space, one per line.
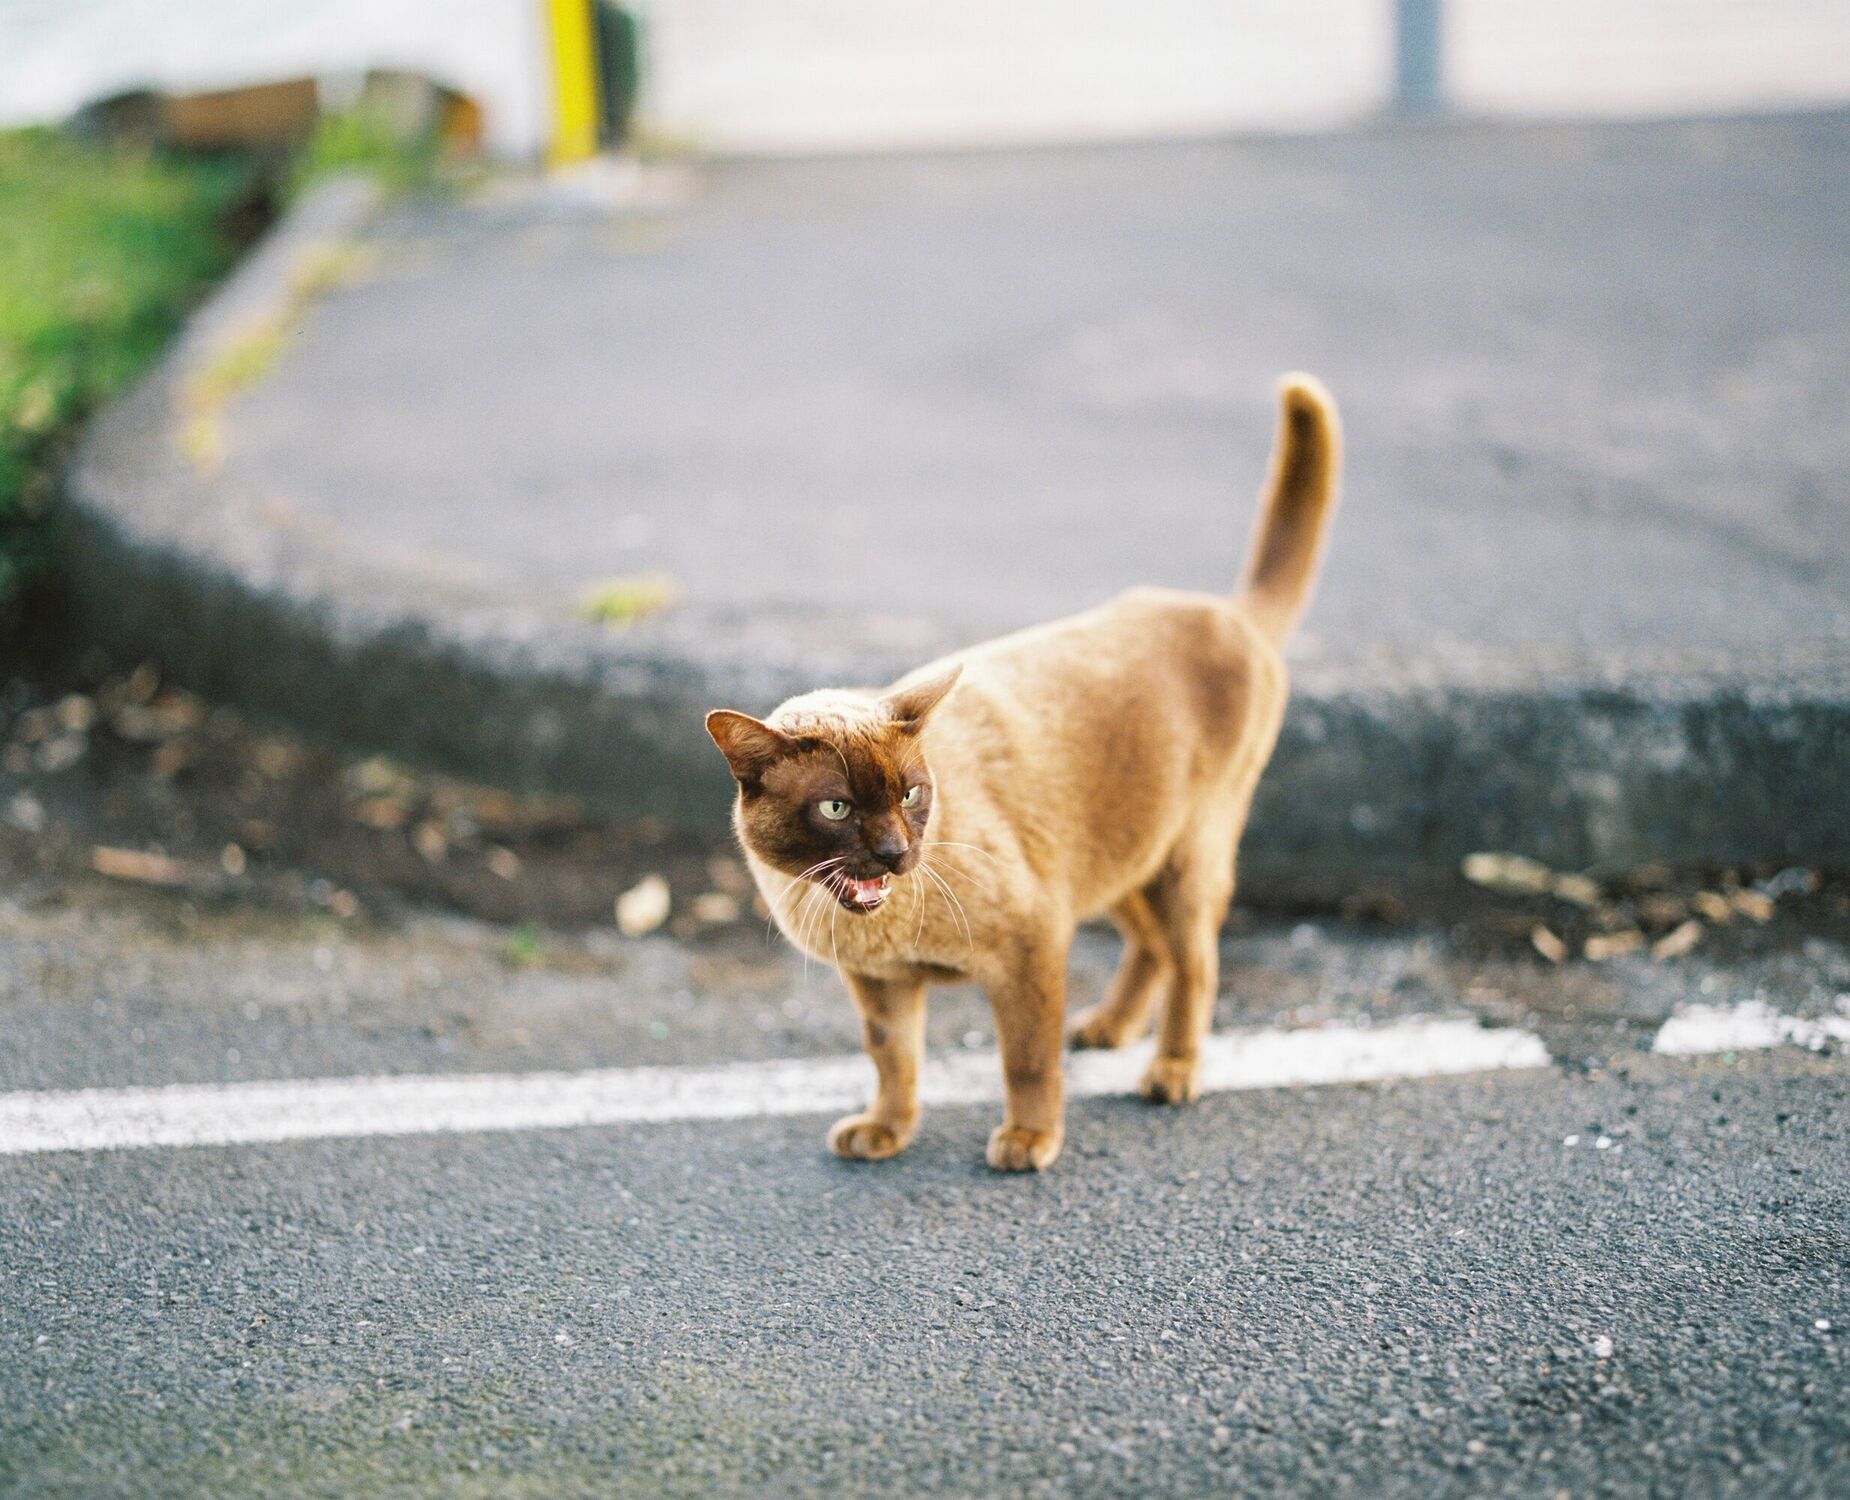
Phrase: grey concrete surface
pixel 1589 591
pixel 1591 380
pixel 1418 1289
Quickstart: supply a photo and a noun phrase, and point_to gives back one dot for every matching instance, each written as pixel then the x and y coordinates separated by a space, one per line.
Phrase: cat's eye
pixel 913 797
pixel 832 808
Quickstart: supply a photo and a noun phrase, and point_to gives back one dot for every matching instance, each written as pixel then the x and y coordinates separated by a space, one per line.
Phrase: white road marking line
pixel 231 1114
pixel 1746 1027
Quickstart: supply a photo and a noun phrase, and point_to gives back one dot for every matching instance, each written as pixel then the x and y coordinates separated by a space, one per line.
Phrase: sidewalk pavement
pixel 1588 595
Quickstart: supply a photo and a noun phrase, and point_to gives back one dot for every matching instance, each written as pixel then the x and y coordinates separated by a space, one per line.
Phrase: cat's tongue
pixel 869 893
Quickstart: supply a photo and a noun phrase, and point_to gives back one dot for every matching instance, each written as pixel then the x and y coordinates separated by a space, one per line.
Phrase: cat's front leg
pixel 1029 1000
pixel 893 1028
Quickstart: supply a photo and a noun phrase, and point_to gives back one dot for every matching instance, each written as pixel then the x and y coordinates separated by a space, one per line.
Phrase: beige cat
pixel 961 824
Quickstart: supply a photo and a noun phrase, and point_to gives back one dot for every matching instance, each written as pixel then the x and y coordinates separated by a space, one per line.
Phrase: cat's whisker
pixel 823 899
pixel 793 883
pixel 967 874
pixel 950 891
pixel 918 900
pixel 807 912
pixel 962 919
pixel 812 914
pixel 954 844
pixel 798 883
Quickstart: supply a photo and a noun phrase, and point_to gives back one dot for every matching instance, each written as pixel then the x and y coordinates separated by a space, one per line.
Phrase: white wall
pixel 1646 57
pixel 794 75
pixel 798 75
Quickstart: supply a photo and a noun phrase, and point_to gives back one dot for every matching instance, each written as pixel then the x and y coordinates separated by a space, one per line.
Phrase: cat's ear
pixel 749 745
pixel 910 706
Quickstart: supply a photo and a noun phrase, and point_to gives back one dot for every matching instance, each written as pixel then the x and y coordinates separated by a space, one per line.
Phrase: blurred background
pixel 415 415
pixel 809 75
pixel 540 372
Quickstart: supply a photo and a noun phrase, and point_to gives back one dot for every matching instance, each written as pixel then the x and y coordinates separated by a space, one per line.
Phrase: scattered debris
pixel 1546 943
pixel 26 813
pixel 728 875
pixel 715 908
pixel 170 759
pixel 643 907
pixel 1678 941
pixel 383 813
pixel 133 864
pixel 1661 910
pixel 1756 906
pixel 1578 890
pixel 431 843
pixel 76 712
pixel 1606 945
pixel 1793 881
pixel 1508 874
pixel 60 753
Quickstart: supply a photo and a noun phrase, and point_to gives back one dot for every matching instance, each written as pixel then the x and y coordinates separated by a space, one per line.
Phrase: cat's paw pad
pixel 1015 1148
pixel 1097 1028
pixel 1171 1080
pixel 863 1138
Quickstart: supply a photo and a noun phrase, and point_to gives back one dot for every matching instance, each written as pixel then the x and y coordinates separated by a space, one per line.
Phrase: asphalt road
pixel 1592 378
pixel 1409 1289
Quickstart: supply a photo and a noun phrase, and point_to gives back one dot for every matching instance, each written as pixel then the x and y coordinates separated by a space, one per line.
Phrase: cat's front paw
pixel 1015 1148
pixel 863 1138
pixel 1172 1080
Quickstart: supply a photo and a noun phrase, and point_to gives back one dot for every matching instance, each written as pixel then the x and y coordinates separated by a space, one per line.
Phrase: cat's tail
pixel 1294 513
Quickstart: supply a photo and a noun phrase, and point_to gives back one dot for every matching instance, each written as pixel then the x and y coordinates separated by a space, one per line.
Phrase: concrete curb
pixel 1385 768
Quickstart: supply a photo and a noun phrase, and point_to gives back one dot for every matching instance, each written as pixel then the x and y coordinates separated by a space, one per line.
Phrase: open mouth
pixel 858 895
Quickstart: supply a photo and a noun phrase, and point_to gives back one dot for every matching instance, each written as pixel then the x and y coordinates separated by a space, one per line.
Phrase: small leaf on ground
pixel 643 907
pixel 136 865
pixel 1511 874
pixel 715 908
pixel 1756 906
pixel 1578 890
pixel 1604 945
pixel 1678 941
pixel 622 601
pixel 1546 943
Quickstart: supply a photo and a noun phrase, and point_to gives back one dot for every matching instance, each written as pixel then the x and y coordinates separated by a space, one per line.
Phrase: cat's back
pixel 1152 674
pixel 1096 737
pixel 1155 635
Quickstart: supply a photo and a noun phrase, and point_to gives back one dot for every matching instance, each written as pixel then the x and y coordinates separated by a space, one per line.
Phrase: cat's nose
pixel 889 848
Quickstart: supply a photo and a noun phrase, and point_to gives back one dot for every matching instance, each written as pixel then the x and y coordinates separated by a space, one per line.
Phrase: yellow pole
pixel 574 81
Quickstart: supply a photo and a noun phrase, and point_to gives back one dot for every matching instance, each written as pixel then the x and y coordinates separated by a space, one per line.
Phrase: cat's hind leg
pixel 1190 899
pixel 893 1027
pixel 1143 973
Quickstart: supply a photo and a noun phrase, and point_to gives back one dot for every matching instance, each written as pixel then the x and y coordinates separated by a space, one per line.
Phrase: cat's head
pixel 833 786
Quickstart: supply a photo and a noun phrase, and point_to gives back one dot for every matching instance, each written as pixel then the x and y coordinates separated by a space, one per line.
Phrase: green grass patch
pixel 365 140
pixel 102 249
